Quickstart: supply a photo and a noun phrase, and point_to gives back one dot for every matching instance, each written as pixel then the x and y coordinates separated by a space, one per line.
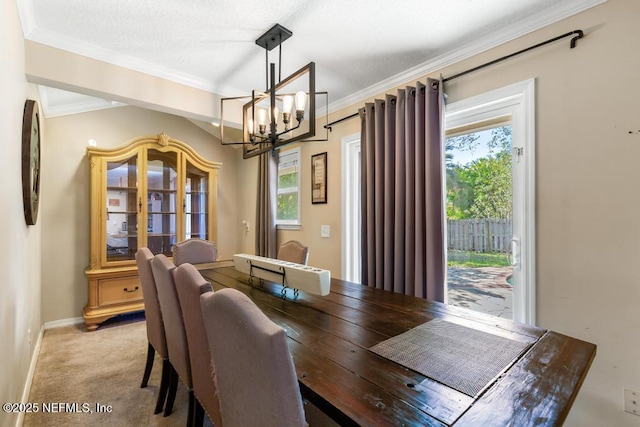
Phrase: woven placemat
pixel 462 358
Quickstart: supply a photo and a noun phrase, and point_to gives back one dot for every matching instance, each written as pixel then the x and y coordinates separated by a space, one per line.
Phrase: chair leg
pixel 164 385
pixel 190 411
pixel 173 387
pixel 198 419
pixel 151 352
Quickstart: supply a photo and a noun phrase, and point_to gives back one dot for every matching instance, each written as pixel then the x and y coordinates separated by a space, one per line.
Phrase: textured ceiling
pixel 356 44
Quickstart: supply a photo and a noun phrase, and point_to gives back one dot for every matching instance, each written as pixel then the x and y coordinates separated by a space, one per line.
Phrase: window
pixel 289 188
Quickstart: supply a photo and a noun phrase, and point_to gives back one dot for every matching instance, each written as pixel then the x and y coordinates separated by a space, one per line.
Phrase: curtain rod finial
pixel 580 34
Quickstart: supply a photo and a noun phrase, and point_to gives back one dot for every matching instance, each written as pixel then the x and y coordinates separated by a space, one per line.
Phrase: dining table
pixel 371 357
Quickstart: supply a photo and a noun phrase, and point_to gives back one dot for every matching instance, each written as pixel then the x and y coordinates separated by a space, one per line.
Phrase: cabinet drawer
pixel 119 290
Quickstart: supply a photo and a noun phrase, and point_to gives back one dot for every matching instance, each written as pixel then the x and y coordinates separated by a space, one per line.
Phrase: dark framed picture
pixel 319 178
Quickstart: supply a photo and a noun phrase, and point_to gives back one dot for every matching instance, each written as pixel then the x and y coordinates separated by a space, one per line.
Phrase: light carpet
pixel 102 367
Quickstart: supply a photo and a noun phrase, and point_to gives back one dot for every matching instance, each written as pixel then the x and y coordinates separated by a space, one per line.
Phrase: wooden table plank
pixel 540 389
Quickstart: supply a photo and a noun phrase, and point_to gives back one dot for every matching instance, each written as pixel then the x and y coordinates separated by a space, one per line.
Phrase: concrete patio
pixel 483 289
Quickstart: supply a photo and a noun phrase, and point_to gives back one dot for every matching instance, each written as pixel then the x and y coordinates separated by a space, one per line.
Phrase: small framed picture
pixel 319 178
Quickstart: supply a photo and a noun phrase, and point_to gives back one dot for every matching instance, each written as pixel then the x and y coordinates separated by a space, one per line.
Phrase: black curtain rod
pixel 574 40
pixel 579 35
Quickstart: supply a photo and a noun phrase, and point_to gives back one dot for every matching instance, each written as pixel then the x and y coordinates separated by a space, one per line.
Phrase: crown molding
pixel 25 11
pixel 83 105
pixel 482 44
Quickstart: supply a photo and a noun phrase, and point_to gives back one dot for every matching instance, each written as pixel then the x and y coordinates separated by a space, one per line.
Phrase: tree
pixel 490 180
pixel 288 200
pixel 466 142
pixel 482 188
pixel 500 139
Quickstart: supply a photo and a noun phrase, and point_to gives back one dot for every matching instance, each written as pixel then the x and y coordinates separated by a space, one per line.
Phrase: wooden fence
pixel 479 235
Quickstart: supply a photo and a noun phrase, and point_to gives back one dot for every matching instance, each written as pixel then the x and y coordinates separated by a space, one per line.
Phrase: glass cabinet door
pixel 196 202
pixel 122 210
pixel 162 187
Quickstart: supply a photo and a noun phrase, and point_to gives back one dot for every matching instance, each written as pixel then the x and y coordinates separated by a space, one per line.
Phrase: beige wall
pixel 65 200
pixel 20 250
pixel 587 198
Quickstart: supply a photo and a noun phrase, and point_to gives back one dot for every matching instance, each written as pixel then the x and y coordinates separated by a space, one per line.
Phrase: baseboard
pixel 30 374
pixel 63 322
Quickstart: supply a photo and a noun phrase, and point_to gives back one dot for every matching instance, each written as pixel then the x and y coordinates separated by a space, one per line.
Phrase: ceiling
pixel 360 47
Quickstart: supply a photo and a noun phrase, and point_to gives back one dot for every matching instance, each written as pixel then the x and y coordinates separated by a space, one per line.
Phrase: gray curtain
pixel 402 192
pixel 266 206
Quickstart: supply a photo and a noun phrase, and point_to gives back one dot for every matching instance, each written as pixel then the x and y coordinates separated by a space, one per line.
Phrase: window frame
pixel 287 154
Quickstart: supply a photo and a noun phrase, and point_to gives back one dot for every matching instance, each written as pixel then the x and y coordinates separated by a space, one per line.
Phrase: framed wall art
pixel 319 178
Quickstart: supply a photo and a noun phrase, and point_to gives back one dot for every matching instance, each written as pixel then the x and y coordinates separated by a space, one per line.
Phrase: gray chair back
pixel 254 370
pixel 194 251
pixel 152 312
pixel 190 285
pixel 163 270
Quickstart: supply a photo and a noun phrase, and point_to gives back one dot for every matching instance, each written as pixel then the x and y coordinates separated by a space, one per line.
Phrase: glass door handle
pixel 513 252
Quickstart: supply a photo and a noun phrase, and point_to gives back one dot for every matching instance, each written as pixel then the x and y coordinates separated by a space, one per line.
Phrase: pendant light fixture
pixel 284 113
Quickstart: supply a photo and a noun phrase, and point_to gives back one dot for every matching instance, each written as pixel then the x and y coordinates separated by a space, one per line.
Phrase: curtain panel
pixel 266 204
pixel 402 192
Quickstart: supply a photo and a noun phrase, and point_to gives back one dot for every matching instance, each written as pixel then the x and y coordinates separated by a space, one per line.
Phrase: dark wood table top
pixel 330 337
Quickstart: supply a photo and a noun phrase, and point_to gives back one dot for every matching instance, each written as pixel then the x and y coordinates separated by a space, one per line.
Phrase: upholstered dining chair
pixel 155 328
pixel 254 371
pixel 293 251
pixel 190 285
pixel 194 251
pixel 163 273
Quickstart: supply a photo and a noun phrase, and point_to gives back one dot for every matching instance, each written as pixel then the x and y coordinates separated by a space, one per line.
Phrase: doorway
pixel 479 208
pixel 490 206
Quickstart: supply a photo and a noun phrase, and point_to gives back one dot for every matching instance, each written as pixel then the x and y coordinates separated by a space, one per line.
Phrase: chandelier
pixel 283 113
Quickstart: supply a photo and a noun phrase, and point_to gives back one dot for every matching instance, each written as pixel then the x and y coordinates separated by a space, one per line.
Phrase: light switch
pixel 325 231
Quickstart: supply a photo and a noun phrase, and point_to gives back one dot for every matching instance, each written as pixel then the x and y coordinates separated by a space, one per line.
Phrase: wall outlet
pixel 632 402
pixel 325 231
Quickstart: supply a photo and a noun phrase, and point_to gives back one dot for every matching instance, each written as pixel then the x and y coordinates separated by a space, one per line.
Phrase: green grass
pixel 475 259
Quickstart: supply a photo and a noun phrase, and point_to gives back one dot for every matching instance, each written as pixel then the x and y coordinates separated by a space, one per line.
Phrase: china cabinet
pixel 152 192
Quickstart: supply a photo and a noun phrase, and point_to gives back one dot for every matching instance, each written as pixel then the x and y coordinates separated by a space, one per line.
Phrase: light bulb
pixel 301 99
pixel 287 104
pixel 262 121
pixel 262 117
